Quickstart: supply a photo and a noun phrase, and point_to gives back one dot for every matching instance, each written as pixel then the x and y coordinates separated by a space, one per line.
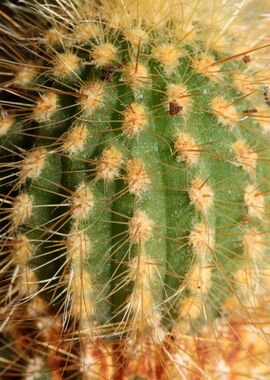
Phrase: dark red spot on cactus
pixel 252 110
pixel 246 58
pixel 174 108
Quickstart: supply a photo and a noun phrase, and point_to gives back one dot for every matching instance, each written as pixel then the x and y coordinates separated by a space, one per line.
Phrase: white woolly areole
pixel 135 119
pixel 81 202
pixel 254 201
pixel 137 178
pixel 186 148
pixel 33 163
pixel 201 195
pixel 202 238
pixel 140 227
pixel 21 209
pixel 45 107
pixel 109 164
pixel 75 139
pixel 91 97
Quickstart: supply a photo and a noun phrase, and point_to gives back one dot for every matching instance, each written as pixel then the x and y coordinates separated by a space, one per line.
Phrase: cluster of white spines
pixel 142 311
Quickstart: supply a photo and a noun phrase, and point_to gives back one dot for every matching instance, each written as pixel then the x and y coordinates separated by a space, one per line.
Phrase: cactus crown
pixel 134 200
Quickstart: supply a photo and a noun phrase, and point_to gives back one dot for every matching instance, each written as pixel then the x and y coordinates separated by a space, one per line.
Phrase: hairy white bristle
pixel 202 239
pixel 254 201
pixel 198 279
pixel 33 163
pixel 137 177
pixel 6 123
pixel 168 55
pixel 75 139
pixel 92 95
pixel 142 299
pixel 104 54
pixel 21 251
pixel 21 209
pixel 81 202
pixel 45 107
pixel 65 64
pixel 254 245
pixel 108 165
pixel 245 156
pixel 135 119
pixel 25 74
pixel 201 195
pixel 78 246
pixel 79 289
pixel 136 74
pixel 178 98
pixel 186 148
pixel 140 227
pixel 225 112
pixel 207 66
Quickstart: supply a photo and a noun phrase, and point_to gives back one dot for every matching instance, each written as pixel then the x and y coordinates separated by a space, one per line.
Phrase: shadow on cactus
pixel 135 179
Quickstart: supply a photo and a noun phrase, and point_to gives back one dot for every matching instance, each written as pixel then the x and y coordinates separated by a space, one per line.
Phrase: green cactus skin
pixel 134 200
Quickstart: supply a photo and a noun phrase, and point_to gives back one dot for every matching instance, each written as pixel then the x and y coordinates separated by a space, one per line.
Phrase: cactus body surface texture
pixel 134 217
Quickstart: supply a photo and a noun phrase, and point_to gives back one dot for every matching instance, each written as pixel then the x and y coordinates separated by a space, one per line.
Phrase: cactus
pixel 134 195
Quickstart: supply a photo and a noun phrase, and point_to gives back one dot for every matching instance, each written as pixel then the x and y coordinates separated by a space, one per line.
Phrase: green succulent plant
pixel 134 195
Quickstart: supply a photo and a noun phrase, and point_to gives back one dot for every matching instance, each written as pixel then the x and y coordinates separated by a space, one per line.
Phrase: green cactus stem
pixel 134 197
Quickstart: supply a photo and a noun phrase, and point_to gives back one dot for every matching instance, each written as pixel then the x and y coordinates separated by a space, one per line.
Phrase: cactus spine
pixel 134 195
